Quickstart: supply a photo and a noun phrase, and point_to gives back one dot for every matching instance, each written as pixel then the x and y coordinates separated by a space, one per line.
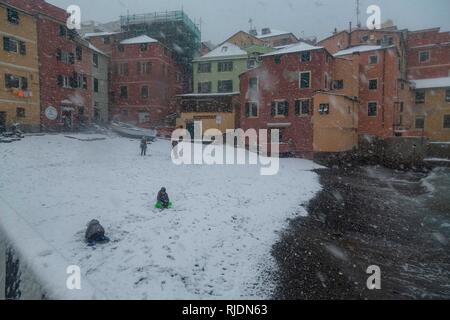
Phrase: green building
pixel 216 87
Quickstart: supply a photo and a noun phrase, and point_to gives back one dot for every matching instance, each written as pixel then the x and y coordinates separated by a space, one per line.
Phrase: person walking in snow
pixel 163 199
pixel 143 146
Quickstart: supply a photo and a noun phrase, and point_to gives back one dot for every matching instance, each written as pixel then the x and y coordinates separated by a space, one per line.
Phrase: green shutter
pixel 297 107
pixel 60 80
pixel 274 109
pixel 286 108
pixel 6 43
pixel 22 48
pixel 247 109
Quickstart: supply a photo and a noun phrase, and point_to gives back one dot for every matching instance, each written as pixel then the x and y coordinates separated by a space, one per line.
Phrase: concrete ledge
pixel 30 268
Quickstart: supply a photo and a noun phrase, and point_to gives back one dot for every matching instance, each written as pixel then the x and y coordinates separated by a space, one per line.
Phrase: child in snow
pixel 143 146
pixel 163 199
pixel 95 233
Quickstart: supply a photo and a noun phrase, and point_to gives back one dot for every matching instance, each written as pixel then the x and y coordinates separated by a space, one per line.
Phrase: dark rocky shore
pixel 362 217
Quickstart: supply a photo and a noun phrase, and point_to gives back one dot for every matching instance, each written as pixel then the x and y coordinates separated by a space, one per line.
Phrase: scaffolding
pixel 172 28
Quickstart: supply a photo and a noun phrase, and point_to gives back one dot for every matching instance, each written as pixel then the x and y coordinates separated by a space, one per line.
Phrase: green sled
pixel 158 205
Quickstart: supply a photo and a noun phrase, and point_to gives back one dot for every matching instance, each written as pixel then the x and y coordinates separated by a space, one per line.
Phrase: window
pixel 79 53
pixel 372 109
pixel 373 84
pixel 324 109
pixel 302 107
pixel 251 110
pixel 123 69
pixel 204 67
pixel 420 97
pixel 305 80
pixel 64 81
pixel 144 67
pixel 280 109
pixel 277 59
pixel 95 85
pixel 402 107
pixel 124 92
pixel 121 48
pixel 12 81
pixel 14 45
pixel 20 113
pixel 338 84
pixel 65 57
pixel 13 16
pixel 447 121
pixel 365 38
pixel 373 59
pixel 252 63
pixel 106 40
pixel 62 31
pixel 225 86
pixel 144 47
pixel 305 56
pixel 253 84
pixel 95 59
pixel 144 92
pixel 225 66
pixel 204 87
pixel 420 123
pixel 424 56
pixel 447 95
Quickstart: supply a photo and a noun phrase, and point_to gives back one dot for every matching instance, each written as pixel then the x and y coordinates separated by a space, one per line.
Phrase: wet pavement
pixel 399 221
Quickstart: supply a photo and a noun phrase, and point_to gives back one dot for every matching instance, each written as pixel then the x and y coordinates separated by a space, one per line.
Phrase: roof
pixel 99 34
pixel 293 48
pixel 92 47
pixel 193 95
pixel 226 50
pixel 139 40
pixel 39 7
pixel 272 33
pixel 357 49
pixel 432 83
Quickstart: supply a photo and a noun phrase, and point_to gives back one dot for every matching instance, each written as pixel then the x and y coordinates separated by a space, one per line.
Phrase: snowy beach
pixel 214 244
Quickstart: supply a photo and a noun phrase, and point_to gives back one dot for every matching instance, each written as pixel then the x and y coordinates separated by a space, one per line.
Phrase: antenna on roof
pixel 358 13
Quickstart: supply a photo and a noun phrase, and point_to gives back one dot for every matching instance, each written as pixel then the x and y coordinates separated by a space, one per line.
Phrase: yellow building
pixel 335 123
pixel 19 74
pixel 432 108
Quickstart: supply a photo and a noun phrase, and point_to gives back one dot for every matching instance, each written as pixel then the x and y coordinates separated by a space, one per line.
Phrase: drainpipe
pixel 383 90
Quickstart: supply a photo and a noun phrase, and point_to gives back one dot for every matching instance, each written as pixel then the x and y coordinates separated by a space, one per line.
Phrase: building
pixel 175 30
pixel 243 39
pixel 274 38
pixel 428 54
pixel 66 71
pixel 100 85
pixel 431 112
pixel 19 68
pixel 379 84
pixel 145 80
pixel 280 94
pixel 215 101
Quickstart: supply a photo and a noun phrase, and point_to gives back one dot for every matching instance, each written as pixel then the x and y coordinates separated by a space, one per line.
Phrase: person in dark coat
pixel 143 146
pixel 163 198
pixel 95 233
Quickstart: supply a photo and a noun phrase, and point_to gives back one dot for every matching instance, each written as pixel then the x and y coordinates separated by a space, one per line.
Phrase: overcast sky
pixel 222 18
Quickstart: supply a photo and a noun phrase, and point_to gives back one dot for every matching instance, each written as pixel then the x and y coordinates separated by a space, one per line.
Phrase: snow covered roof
pixel 92 47
pixel 225 50
pixel 139 40
pixel 99 34
pixel 432 83
pixel 271 33
pixel 293 48
pixel 364 48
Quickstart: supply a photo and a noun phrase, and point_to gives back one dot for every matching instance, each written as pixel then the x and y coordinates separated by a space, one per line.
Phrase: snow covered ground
pixel 214 244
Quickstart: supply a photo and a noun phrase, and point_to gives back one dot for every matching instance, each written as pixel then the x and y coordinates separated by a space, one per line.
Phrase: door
pixel 190 127
pixel 2 121
pixel 67 119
